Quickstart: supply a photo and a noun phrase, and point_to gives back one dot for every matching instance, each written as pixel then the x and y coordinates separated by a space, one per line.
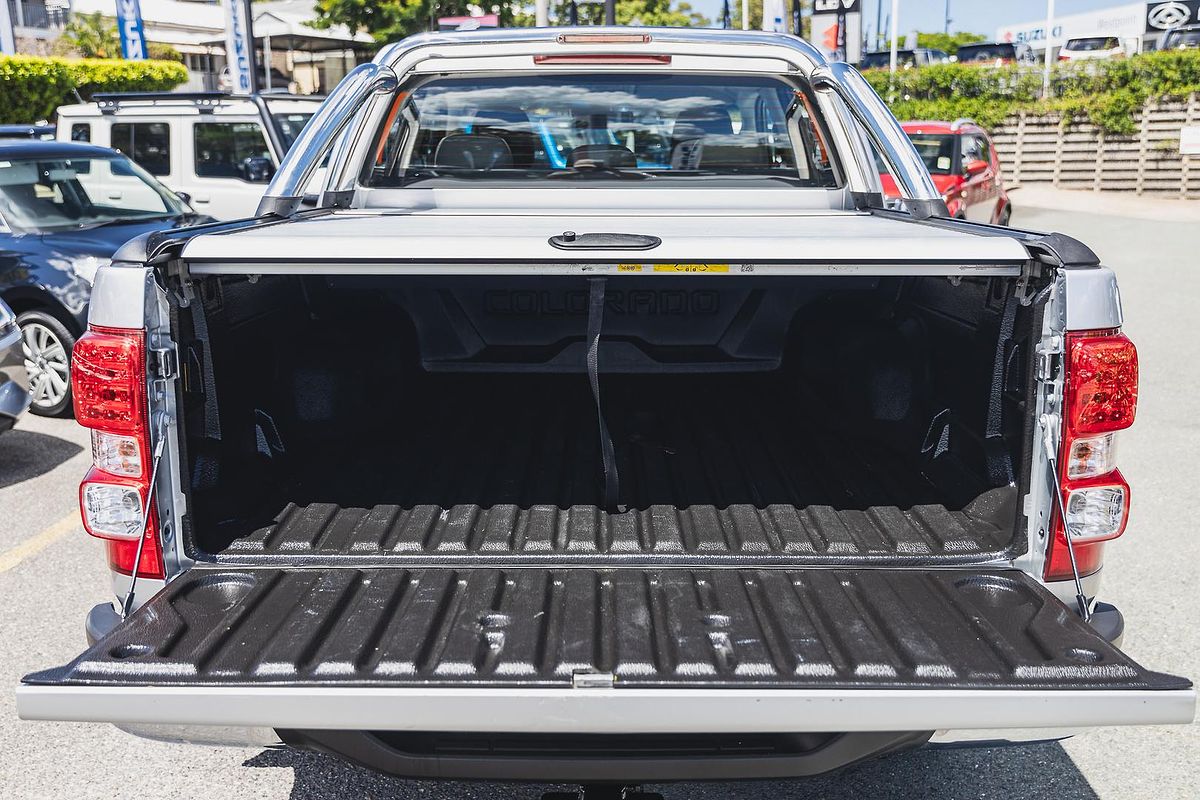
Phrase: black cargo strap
pixel 999 466
pixel 212 419
pixel 594 322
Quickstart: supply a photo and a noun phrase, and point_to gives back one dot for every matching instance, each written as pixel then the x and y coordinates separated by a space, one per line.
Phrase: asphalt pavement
pixel 51 574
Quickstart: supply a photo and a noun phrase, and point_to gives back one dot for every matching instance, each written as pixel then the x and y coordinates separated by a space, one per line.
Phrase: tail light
pixel 1099 399
pixel 108 381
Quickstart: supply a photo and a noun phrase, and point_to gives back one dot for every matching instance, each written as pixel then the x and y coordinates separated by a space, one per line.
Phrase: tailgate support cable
pixel 1050 435
pixel 127 603
pixel 595 321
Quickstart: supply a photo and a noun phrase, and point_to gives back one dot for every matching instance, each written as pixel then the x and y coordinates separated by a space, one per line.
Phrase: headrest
pixel 476 151
pixel 609 155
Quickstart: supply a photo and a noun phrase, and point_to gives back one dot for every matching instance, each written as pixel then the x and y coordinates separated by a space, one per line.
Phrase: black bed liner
pixel 814 628
pixel 713 470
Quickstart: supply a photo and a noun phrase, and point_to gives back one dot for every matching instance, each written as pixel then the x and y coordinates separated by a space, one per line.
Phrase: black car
pixel 65 208
pixel 996 53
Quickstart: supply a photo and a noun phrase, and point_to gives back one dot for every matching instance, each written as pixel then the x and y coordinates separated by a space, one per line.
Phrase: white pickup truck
pixel 601 424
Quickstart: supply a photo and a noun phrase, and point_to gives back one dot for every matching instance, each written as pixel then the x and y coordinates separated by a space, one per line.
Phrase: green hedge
pixel 32 88
pixel 1106 92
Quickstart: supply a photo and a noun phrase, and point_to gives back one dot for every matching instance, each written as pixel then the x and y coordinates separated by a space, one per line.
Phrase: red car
pixel 964 167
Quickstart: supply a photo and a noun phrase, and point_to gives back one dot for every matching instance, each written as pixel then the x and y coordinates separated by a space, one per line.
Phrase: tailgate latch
pixel 592 680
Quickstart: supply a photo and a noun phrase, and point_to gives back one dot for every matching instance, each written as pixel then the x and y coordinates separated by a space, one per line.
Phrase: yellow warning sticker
pixel 691 268
pixel 629 267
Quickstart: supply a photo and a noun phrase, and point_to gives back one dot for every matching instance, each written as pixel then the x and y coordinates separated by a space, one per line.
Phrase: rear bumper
pixel 601 711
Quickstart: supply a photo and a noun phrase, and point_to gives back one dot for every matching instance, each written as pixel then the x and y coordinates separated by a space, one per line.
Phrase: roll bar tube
pixel 286 191
pixel 921 197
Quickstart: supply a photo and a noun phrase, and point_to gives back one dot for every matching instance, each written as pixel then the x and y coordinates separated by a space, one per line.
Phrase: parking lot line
pixel 39 541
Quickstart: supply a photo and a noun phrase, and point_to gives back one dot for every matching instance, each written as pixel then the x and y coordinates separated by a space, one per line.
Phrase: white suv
pixel 218 150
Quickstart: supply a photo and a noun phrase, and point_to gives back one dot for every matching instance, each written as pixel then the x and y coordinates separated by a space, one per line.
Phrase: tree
pixel 90 36
pixel 950 42
pixel 95 36
pixel 390 20
pixel 756 14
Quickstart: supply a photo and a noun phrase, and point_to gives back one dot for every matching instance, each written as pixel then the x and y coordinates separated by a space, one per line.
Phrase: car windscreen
pixel 52 194
pixel 986 52
pixel 572 129
pixel 1093 43
pixel 289 123
pixel 936 150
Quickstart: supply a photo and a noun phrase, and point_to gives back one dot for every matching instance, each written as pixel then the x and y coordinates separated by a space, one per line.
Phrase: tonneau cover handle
pixel 570 240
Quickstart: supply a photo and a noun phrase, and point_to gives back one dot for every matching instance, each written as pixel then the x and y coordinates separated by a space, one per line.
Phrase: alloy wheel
pixel 48 365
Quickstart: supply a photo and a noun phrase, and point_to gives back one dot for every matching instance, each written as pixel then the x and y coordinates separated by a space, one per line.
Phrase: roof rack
pixel 204 101
pixel 961 121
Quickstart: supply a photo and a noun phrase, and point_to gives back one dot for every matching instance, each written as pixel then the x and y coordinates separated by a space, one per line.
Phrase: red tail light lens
pixel 108 373
pixel 108 380
pixel 1102 383
pixel 1099 398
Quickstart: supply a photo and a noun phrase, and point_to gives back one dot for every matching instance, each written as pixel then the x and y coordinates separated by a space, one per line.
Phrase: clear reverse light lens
pixel 1092 456
pixel 112 511
pixel 1096 512
pixel 116 454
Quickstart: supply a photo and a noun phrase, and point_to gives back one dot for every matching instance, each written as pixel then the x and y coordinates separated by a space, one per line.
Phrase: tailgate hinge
pixel 1032 268
pixel 592 680
pixel 165 362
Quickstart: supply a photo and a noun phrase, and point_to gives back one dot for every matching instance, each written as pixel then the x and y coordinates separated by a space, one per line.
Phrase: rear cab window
pixel 235 150
pixel 147 143
pixel 584 129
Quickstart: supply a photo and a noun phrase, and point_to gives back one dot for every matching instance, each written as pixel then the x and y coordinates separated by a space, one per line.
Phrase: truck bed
pixel 713 469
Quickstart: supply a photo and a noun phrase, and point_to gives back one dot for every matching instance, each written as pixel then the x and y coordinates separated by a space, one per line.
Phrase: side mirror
pixel 185 197
pixel 974 167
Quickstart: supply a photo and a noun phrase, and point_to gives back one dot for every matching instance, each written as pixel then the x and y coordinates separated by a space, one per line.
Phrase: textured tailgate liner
pixel 816 628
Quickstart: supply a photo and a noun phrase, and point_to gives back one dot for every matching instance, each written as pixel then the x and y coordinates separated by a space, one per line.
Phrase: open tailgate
pixel 606 651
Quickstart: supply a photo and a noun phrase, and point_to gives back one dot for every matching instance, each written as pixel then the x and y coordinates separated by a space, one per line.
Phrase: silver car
pixel 14 382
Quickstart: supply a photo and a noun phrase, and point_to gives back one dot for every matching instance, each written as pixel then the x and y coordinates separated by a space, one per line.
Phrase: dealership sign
pixel 239 55
pixel 131 30
pixel 837 29
pixel 1164 16
pixel 1127 21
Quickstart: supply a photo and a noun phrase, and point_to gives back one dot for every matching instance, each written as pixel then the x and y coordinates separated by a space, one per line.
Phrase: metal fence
pixel 1074 154
pixel 25 14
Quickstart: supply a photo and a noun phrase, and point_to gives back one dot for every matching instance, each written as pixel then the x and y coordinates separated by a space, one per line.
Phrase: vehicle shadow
pixel 25 455
pixel 1031 772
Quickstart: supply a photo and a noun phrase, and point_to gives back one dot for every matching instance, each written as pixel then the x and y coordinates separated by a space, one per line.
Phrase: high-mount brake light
pixel 1099 399
pixel 604 38
pixel 602 59
pixel 108 380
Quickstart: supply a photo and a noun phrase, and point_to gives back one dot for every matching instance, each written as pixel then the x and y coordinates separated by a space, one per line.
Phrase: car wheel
pixel 46 346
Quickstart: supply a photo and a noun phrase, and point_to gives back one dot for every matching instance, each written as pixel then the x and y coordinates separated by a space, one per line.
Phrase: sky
pixel 978 16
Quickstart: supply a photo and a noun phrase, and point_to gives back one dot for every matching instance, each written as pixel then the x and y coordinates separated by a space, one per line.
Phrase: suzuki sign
pixel 131 30
pixel 239 46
